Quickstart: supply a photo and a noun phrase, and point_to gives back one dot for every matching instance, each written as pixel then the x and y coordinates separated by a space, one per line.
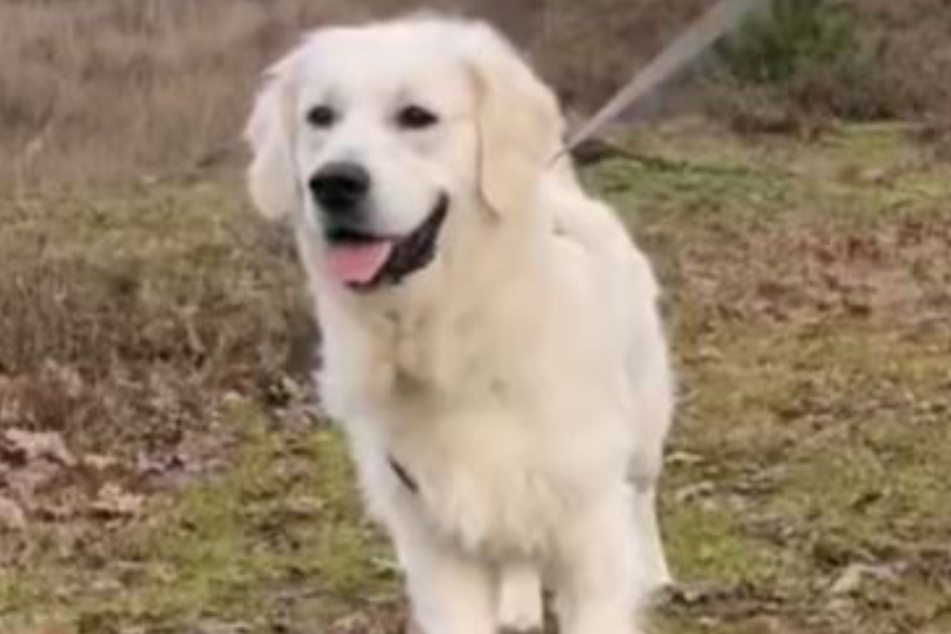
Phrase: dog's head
pixel 386 141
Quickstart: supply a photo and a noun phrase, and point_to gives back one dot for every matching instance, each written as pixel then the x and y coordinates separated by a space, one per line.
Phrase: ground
pixel 808 293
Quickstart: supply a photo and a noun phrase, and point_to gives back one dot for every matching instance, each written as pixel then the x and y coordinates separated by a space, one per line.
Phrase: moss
pixel 709 545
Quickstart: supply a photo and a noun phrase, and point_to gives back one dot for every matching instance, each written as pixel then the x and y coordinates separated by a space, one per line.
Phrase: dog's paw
pixel 523 615
pixel 521 609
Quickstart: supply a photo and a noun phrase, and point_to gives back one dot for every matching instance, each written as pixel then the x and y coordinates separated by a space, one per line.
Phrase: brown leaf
pixel 855 575
pixel 11 515
pixel 33 446
pixel 113 503
pixel 99 463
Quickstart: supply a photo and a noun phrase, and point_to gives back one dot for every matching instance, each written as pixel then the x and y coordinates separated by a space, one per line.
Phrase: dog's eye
pixel 321 116
pixel 416 118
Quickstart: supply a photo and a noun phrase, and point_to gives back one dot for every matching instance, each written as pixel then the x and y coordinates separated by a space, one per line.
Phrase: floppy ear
pixel 272 176
pixel 519 123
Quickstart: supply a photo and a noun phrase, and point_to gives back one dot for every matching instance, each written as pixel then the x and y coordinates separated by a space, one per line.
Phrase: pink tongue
pixel 359 263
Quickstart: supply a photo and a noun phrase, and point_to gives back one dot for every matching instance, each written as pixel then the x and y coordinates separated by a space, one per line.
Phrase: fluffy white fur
pixel 522 377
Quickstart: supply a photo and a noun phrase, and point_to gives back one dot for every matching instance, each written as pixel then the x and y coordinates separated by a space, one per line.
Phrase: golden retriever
pixel 492 341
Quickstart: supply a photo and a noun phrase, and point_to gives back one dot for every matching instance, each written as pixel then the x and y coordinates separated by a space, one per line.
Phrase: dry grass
pixel 127 315
pixel 108 89
pixel 119 88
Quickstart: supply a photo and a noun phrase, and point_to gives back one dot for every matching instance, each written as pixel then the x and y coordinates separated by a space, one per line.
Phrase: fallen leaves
pixel 893 273
pixel 31 446
pixel 42 478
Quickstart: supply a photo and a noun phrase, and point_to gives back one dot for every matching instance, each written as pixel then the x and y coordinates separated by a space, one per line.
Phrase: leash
pixel 710 27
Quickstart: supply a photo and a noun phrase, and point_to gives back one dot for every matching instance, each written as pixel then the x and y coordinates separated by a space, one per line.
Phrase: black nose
pixel 340 187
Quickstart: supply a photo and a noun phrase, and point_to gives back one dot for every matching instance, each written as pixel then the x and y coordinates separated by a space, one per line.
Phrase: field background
pixel 164 467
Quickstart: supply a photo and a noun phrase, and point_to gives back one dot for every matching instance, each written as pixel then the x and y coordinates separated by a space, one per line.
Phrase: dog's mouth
pixel 364 262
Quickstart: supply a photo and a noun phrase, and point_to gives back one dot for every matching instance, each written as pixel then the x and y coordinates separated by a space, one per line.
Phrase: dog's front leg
pixel 450 592
pixel 599 579
pixel 656 573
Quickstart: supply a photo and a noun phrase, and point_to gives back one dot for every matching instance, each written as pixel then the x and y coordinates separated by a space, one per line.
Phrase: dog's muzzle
pixel 364 261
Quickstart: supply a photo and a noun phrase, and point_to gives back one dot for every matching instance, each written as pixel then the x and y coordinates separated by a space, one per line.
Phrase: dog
pixel 493 345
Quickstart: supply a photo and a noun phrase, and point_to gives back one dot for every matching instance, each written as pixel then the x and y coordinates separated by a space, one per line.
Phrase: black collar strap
pixel 404 476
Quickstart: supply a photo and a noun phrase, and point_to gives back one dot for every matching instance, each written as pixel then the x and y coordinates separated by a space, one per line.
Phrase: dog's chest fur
pixel 485 427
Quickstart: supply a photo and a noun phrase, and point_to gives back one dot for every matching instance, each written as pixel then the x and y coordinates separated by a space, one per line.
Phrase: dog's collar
pixel 403 475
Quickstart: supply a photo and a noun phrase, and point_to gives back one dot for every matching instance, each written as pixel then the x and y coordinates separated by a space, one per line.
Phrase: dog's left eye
pixel 321 116
pixel 416 118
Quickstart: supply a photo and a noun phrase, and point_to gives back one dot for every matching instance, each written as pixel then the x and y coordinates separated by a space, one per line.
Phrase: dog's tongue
pixel 359 263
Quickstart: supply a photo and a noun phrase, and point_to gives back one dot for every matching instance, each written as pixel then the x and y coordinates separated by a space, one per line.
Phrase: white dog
pixel 492 338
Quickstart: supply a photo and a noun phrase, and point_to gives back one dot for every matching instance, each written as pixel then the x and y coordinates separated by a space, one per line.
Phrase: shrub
pixel 805 64
pixel 795 35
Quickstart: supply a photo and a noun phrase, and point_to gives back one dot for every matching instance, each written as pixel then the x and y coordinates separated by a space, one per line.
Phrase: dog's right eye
pixel 321 116
pixel 416 118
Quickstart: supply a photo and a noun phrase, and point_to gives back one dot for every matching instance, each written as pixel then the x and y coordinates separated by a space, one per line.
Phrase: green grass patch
pixel 276 538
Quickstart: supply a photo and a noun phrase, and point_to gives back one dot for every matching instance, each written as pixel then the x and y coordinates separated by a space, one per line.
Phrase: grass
pixel 276 541
pixel 805 488
pixel 813 428
pixel 148 299
pixel 187 71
